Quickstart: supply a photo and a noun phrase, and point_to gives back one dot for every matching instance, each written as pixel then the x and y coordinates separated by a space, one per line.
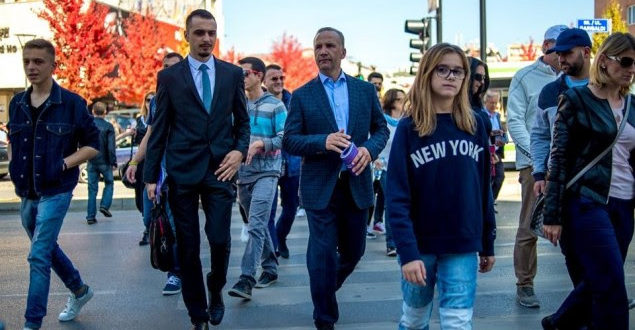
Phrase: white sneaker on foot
pixel 300 213
pixel 244 234
pixel 74 305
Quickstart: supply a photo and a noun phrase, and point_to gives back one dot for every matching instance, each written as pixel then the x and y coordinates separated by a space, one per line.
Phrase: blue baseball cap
pixel 569 39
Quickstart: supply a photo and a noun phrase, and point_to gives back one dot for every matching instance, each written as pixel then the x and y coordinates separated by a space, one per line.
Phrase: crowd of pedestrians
pixel 424 167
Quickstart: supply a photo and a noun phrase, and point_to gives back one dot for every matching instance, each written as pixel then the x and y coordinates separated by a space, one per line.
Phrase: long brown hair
pixel 418 103
pixel 145 105
pixel 614 45
pixel 389 99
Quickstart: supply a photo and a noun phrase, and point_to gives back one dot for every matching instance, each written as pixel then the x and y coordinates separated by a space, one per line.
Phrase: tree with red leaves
pixel 140 57
pixel 298 69
pixel 528 51
pixel 85 46
pixel 231 56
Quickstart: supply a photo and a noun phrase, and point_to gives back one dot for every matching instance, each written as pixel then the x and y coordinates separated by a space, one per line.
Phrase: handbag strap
pixel 603 153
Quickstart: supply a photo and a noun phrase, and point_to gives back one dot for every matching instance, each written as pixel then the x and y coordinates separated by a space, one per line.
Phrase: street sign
pixel 596 25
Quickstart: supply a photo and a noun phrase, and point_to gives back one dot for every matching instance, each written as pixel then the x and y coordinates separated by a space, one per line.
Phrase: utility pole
pixel 439 25
pixel 483 32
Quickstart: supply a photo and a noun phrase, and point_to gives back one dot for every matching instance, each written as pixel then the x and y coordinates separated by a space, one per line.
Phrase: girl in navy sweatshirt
pixel 439 200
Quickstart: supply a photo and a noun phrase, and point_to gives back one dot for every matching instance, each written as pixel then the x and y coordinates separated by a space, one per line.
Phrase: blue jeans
pixel 42 219
pixel 595 240
pixel 271 224
pixel 256 198
pixel 390 243
pixel 455 275
pixel 93 180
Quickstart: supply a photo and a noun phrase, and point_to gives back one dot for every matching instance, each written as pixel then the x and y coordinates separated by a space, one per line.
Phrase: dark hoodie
pixel 476 100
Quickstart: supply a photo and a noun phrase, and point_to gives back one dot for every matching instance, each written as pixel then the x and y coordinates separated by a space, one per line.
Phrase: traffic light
pixel 422 28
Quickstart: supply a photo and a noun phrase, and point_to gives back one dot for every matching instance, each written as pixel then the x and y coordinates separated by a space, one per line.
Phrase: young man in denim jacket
pixel 46 125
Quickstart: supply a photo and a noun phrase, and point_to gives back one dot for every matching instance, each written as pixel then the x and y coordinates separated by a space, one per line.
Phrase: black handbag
pixel 537 216
pixel 124 168
pixel 161 238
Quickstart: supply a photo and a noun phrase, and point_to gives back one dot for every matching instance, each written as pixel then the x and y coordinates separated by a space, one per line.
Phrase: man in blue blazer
pixel 202 126
pixel 326 115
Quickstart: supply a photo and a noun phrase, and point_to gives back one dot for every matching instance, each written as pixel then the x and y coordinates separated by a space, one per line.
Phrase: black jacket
pixel 107 153
pixel 193 141
pixel 584 127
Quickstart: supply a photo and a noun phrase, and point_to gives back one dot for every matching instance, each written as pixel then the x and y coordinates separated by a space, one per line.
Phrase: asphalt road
pixel 128 290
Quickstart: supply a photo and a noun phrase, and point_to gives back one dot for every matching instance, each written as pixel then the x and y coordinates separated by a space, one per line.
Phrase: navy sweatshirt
pixel 439 199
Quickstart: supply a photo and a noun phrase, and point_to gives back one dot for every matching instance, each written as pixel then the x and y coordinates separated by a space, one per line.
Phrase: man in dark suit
pixel 326 115
pixel 201 124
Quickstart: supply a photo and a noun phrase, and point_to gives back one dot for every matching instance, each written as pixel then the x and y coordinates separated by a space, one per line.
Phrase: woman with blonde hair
pixel 439 203
pixel 590 189
pixel 144 205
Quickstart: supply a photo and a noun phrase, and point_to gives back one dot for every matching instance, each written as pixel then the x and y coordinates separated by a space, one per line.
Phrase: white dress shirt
pixel 197 75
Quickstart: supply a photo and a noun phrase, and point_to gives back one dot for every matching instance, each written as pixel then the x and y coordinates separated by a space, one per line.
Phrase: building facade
pixel 19 23
pixel 628 11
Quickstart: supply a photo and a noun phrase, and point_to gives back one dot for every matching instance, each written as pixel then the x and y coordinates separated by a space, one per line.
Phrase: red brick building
pixel 628 11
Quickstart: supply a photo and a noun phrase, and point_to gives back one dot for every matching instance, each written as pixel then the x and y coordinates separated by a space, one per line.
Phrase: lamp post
pixel 22 39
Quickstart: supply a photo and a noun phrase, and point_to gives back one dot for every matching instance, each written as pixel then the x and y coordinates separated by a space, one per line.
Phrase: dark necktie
pixel 207 89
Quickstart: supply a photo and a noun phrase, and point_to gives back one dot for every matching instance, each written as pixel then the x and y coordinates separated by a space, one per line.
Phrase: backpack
pixel 161 239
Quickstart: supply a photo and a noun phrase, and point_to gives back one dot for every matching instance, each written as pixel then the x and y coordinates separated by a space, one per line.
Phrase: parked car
pixel 123 155
pixel 4 160
pixel 125 118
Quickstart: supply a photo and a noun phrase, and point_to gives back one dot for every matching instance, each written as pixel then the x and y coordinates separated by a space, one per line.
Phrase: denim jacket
pixel 63 125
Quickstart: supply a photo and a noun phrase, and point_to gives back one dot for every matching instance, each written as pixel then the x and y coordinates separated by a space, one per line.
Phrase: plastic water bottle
pixel 377 171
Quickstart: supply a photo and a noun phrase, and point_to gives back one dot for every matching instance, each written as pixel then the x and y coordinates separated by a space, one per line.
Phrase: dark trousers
pixel 289 201
pixel 217 199
pixel 337 239
pixel 139 187
pixel 498 178
pixel 377 210
pixel 271 224
pixel 595 240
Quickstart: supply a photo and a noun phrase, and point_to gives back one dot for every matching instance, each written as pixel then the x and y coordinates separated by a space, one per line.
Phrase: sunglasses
pixel 149 99
pixel 281 78
pixel 444 72
pixel 247 72
pixel 624 61
pixel 478 77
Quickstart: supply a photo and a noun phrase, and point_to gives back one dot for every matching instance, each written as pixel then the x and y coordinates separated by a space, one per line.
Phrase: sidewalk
pixel 124 198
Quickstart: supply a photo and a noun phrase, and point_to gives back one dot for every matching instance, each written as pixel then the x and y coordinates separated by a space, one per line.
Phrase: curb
pixel 78 205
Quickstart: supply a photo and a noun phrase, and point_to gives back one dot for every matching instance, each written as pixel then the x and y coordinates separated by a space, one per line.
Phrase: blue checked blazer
pixel 310 120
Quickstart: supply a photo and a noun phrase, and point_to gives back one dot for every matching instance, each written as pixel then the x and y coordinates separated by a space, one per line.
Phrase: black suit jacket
pixel 194 141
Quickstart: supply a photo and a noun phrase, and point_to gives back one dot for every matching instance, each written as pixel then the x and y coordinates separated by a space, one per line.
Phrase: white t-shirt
pixel 622 180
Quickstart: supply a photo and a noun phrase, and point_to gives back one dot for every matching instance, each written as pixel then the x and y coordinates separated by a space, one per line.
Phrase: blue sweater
pixel 438 195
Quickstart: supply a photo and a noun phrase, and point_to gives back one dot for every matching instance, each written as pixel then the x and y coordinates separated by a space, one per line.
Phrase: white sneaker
pixel 300 213
pixel 244 234
pixel 380 228
pixel 74 305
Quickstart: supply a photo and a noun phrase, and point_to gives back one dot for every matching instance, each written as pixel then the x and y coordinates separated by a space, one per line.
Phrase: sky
pixel 374 29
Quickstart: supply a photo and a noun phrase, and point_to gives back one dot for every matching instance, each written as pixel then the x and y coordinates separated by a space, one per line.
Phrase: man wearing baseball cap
pixel 521 107
pixel 573 50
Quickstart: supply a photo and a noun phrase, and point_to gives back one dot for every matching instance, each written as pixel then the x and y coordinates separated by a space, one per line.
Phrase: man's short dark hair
pixel 256 64
pixel 375 75
pixel 327 29
pixel 202 13
pixel 272 67
pixel 41 44
pixel 99 108
pixel 172 55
